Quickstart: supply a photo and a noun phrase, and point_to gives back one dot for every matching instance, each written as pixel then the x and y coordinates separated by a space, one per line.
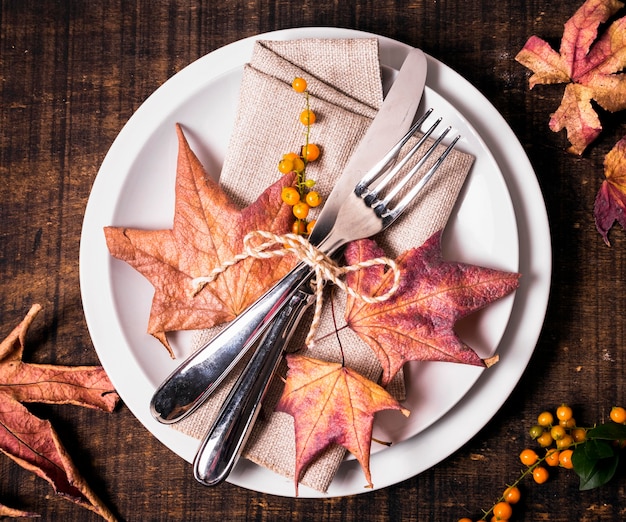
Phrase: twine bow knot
pixel 324 268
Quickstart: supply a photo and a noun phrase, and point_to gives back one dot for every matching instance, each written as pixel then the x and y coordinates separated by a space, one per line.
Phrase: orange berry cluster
pixel 558 435
pixel 300 196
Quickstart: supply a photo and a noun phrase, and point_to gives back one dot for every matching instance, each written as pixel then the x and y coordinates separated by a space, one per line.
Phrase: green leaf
pixel 595 462
pixel 608 431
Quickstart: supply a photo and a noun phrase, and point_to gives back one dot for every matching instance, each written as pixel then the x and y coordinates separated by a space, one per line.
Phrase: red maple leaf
pixel 592 71
pixel 331 404
pixel 417 321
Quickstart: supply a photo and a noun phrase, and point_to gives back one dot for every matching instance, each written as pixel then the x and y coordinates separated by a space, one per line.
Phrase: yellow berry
pixel 301 210
pixel 310 152
pixel 564 412
pixel 307 117
pixel 290 195
pixel 545 439
pixel 557 432
pixel 540 474
pixel 309 226
pixel 565 459
pixel 545 419
pixel 285 166
pixel 565 442
pixel 552 457
pixel 313 199
pixel 299 84
pixel 291 156
pixel 298 164
pixel 512 495
pixel 528 457
pixel 298 227
pixel 579 434
pixel 618 414
pixel 502 511
pixel 535 432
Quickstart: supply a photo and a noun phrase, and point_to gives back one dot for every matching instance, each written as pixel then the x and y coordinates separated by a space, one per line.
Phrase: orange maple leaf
pixel 6 511
pixel 208 230
pixel 331 404
pixel 589 69
pixel 32 442
pixel 417 321
pixel 610 204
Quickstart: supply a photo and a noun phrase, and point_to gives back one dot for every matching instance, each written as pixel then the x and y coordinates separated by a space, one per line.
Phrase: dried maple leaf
pixel 6 511
pixel 610 204
pixel 208 230
pixel 331 404
pixel 590 70
pixel 417 321
pixel 32 442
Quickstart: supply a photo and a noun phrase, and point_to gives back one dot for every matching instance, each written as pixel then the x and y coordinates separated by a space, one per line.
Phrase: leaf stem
pixel 332 308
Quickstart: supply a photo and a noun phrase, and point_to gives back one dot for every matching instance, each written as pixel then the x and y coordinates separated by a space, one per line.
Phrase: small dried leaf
pixel 87 386
pixel 577 116
pixel 34 445
pixel 331 404
pixel 610 204
pixel 6 511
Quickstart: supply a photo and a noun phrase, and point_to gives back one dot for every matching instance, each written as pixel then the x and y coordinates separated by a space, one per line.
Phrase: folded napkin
pixel 345 86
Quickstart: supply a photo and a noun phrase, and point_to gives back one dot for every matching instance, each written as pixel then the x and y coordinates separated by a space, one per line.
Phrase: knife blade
pixel 193 381
pixel 389 125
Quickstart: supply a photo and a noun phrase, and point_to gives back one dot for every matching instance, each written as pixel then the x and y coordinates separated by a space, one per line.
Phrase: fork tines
pixel 370 189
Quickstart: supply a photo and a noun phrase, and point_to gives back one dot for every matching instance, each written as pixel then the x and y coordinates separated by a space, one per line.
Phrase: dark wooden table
pixel 73 72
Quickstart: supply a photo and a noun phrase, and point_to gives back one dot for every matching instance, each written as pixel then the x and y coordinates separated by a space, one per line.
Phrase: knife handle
pixel 191 383
pixel 226 438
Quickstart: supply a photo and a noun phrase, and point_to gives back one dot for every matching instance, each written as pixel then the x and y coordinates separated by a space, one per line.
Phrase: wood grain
pixel 73 72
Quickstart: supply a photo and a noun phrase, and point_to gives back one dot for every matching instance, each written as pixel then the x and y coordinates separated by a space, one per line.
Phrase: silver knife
pixel 192 382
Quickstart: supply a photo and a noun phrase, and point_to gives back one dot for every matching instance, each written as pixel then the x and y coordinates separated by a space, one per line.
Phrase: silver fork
pixel 366 211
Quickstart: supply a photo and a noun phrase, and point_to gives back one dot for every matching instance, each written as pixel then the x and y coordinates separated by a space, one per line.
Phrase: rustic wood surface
pixel 73 72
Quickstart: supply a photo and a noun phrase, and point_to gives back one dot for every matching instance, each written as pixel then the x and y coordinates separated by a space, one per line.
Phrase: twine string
pixel 324 268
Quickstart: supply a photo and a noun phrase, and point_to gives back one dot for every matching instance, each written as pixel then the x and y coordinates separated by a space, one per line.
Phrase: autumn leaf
pixel 417 322
pixel 208 229
pixel 592 71
pixel 44 383
pixel 32 442
pixel 6 511
pixel 610 204
pixel 331 404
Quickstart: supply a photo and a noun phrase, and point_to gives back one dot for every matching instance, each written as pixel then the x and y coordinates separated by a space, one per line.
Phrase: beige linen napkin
pixel 345 86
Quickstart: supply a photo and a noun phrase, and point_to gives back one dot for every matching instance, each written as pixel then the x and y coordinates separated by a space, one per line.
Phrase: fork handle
pixel 226 438
pixel 191 383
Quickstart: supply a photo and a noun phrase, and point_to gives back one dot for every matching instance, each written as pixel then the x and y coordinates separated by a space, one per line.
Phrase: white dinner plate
pixel 500 221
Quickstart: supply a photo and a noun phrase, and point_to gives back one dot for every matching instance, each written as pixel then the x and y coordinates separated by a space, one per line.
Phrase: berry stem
pixel 524 474
pixel 301 178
